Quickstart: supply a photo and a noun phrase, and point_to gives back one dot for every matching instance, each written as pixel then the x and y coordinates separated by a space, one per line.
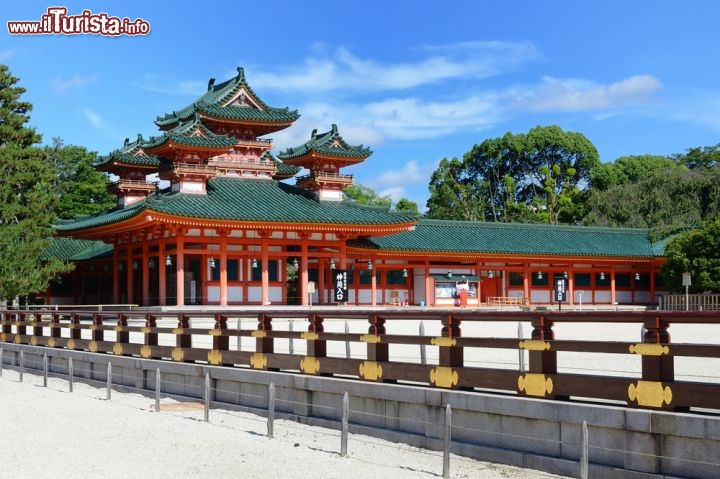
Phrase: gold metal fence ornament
pixel 309 365
pixel 215 332
pixel 370 338
pixel 650 393
pixel 370 370
pixel 444 377
pixel 535 384
pixel 117 349
pixel 92 346
pixel 178 354
pixel 70 344
pixel 214 357
pixel 534 345
pixel 258 334
pixel 258 361
pixel 644 349
pixel 310 336
pixel 145 351
pixel 443 342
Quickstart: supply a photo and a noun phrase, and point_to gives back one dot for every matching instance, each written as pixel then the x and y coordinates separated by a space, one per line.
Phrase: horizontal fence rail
pixel 458 351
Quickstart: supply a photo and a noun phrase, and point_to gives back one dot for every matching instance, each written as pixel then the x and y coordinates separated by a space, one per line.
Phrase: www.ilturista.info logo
pixel 57 22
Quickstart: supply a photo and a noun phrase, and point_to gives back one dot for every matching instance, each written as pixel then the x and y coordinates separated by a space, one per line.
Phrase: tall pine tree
pixel 27 198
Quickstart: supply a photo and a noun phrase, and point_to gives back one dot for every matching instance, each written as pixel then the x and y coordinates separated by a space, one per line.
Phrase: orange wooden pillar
pixel 265 269
pixel 116 275
pixel 613 298
pixel 571 288
pixel 429 293
pixel 130 278
pixel 145 268
pixel 373 284
pixel 223 268
pixel 180 270
pixel 162 272
pixel 303 273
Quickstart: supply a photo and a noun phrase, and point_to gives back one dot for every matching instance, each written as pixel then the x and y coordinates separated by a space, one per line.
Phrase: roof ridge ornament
pixel 211 83
pixel 241 73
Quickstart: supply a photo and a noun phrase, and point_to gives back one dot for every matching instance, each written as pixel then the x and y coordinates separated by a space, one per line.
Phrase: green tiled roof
pixel 128 155
pixel 284 171
pixel 329 143
pixel 67 249
pixel 211 103
pixel 516 238
pixel 191 133
pixel 101 219
pixel 257 200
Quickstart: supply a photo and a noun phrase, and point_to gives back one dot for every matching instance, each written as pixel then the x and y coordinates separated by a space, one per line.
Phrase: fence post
pixel 22 364
pixel 45 370
pixel 207 397
pixel 291 348
pixel 271 410
pixel 345 420
pixel 1 361
pixel 584 452
pixel 109 381
pixel 347 343
pixel 71 374
pixel 521 352
pixel 239 344
pixel 423 351
pixel 157 390
pixel 448 440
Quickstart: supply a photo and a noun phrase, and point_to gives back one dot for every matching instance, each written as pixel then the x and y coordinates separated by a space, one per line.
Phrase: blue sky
pixel 416 81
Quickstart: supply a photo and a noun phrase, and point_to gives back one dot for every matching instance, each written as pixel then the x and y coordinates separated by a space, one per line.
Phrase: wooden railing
pixel 463 347
pixel 681 302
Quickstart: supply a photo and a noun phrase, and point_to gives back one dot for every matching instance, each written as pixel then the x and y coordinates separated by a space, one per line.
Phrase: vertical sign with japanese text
pixel 561 290
pixel 340 285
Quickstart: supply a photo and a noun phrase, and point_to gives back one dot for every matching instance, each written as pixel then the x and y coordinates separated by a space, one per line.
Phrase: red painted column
pixel 429 293
pixel 145 268
pixel 116 275
pixel 223 269
pixel 303 273
pixel 180 269
pixel 373 286
pixel 265 270
pixel 612 286
pixel 162 272
pixel 571 288
pixel 130 279
pixel 321 280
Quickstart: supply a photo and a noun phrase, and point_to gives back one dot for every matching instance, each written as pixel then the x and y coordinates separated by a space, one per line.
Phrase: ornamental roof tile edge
pixel 320 142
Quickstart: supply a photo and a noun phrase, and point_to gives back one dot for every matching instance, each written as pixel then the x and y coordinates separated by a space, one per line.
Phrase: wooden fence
pixel 215 338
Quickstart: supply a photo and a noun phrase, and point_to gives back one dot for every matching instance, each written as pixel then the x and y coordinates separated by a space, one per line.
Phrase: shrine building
pixel 236 225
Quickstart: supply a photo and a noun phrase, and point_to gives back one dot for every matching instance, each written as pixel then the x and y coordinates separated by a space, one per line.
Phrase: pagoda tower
pixel 131 164
pixel 217 135
pixel 323 155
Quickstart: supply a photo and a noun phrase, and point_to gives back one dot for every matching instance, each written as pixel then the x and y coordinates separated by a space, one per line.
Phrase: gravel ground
pixel 51 432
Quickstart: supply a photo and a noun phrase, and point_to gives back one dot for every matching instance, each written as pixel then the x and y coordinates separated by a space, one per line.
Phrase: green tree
pixel 533 177
pixel 365 195
pixel 81 189
pixel 698 253
pixel 629 169
pixel 405 204
pixel 27 198
pixel 454 195
pixel 703 157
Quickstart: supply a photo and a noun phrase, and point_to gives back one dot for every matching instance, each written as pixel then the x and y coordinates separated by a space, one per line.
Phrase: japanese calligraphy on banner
pixel 340 285
pixel 561 293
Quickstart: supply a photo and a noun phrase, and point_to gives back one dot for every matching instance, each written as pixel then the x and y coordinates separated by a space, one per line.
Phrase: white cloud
pixel 163 84
pixel 575 95
pixel 6 55
pixel 95 120
pixel 410 173
pixel 61 85
pixel 342 70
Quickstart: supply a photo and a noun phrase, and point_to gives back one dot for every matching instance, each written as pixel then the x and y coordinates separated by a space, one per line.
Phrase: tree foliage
pixel 660 194
pixel 80 188
pixel 533 177
pixel 365 195
pixel 27 198
pixel 698 253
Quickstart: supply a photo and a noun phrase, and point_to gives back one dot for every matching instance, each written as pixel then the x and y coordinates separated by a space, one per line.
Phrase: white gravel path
pixel 50 432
